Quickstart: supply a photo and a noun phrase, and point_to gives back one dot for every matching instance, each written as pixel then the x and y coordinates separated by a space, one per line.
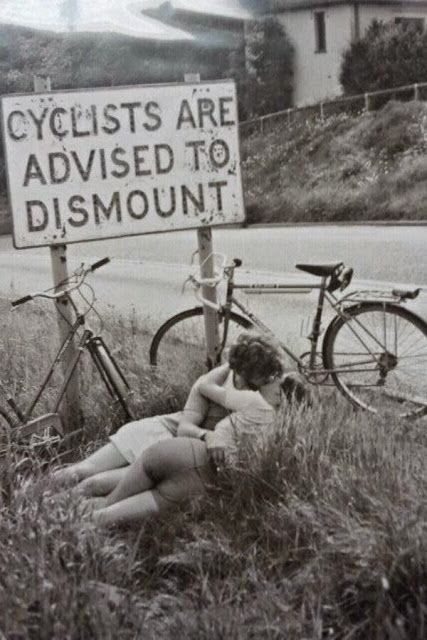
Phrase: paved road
pixel 147 272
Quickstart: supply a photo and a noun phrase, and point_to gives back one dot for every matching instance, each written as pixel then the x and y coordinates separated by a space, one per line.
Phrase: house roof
pixel 90 16
pixel 281 6
pixel 230 9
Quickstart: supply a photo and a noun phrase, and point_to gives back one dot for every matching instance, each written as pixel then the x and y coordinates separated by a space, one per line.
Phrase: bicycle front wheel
pixel 180 343
pixel 378 356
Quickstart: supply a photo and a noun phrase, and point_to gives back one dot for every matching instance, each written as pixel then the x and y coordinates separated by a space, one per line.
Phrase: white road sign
pixel 86 165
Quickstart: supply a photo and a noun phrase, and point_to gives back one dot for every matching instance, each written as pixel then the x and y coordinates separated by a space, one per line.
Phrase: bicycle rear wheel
pixel 378 354
pixel 179 346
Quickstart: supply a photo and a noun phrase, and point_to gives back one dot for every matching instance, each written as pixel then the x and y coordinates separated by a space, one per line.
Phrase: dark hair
pixel 255 354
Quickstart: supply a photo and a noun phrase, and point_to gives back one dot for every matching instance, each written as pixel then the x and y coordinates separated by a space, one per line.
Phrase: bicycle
pixel 18 423
pixel 374 350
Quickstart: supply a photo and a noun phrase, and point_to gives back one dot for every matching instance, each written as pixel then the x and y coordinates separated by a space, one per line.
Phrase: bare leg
pixel 134 480
pixel 100 484
pixel 133 509
pixel 104 459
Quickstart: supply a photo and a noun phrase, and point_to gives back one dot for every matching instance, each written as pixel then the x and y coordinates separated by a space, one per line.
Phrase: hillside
pixel 348 167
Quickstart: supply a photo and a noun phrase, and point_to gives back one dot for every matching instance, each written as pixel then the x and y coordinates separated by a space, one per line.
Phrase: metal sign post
pixel 58 256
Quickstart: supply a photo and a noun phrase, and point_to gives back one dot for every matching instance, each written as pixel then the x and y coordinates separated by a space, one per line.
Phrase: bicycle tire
pixel 385 379
pixel 112 376
pixel 183 348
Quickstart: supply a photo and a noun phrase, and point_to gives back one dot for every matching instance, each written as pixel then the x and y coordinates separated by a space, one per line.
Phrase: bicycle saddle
pixel 322 270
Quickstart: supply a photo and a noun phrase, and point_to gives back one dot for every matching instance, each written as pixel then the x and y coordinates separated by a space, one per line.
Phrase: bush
pixel 387 56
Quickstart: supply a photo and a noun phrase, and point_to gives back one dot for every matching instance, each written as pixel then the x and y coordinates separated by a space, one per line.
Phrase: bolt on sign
pixel 86 165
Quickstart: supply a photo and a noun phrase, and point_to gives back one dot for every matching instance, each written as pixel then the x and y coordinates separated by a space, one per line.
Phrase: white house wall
pixel 316 74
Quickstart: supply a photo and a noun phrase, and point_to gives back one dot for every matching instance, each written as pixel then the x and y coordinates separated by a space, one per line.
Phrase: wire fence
pixel 363 102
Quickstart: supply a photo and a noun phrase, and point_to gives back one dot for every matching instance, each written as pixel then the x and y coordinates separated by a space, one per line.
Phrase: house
pixel 321 30
pixel 213 25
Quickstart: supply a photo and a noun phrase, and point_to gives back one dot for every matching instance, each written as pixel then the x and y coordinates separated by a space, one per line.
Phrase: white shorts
pixel 135 437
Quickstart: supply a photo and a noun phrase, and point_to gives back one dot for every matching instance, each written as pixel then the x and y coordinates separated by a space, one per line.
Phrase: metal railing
pixel 363 102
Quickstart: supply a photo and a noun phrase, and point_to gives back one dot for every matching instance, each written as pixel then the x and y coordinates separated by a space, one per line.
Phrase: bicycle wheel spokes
pixel 179 346
pixel 379 357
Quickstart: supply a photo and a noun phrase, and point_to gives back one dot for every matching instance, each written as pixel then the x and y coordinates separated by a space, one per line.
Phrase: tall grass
pixel 347 167
pixel 321 534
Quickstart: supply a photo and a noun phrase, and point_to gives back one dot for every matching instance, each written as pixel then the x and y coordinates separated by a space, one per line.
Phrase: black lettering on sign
pixel 166 151
pixel 57 213
pixel 139 160
pixel 119 162
pixel 94 119
pixel 73 203
pixel 10 128
pixel 206 108
pixel 196 145
pixel 172 205
pixel 98 206
pixel 199 204
pixel 103 164
pixel 38 225
pixel 33 170
pixel 87 170
pixel 219 153
pixel 135 195
pixel 55 120
pixel 185 115
pixel 76 114
pixel 109 118
pixel 38 121
pixel 131 106
pixel 224 111
pixel 59 167
pixel 150 111
pixel 218 186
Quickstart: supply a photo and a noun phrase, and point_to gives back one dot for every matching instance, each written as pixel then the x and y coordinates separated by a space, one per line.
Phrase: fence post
pixel 416 92
pixel 71 408
pixel 289 117
pixel 367 102
pixel 322 114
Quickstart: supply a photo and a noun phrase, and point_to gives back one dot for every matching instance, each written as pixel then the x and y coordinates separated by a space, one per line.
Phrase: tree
pixel 389 55
pixel 266 84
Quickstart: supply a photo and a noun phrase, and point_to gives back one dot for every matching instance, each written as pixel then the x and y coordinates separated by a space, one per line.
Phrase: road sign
pixel 87 165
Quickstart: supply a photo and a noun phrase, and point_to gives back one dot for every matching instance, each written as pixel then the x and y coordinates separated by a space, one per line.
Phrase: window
pixel 416 24
pixel 320 31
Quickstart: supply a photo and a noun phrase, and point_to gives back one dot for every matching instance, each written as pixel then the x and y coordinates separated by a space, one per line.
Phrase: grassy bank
pixel 325 536
pixel 348 167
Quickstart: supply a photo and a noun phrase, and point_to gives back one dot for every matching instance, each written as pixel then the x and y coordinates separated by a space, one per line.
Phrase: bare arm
pixel 197 405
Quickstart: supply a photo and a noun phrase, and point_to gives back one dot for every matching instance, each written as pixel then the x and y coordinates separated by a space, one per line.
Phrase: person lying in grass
pixel 174 470
pixel 252 360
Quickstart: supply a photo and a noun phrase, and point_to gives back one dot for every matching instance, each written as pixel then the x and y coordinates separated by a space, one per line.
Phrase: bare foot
pixel 66 475
pixel 93 504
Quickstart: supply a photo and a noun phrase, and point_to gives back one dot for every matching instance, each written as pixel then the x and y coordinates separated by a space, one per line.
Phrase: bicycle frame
pixel 312 368
pixel 300 288
pixel 109 372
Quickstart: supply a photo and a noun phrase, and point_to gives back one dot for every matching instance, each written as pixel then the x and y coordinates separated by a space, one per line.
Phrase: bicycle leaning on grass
pixel 17 423
pixel 374 350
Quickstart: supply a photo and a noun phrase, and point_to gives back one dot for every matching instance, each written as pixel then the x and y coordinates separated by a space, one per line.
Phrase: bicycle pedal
pixel 48 421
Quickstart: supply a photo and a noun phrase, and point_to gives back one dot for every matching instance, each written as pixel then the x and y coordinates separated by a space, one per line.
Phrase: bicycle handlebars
pixel 80 274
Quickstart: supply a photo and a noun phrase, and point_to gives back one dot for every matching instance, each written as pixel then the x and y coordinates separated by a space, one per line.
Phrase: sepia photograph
pixel 213 319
